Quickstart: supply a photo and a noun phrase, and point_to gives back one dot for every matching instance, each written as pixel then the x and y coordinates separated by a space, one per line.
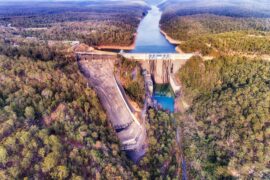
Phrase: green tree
pixel 29 112
pixel 49 162
pixel 3 155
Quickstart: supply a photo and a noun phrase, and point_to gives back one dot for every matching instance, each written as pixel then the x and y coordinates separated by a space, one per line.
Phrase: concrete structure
pixel 162 66
pixel 157 56
pixel 148 82
pixel 100 74
pixel 175 86
pixel 98 68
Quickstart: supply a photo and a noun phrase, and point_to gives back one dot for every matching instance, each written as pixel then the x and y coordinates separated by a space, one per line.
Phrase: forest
pixel 95 24
pixel 230 8
pixel 130 75
pixel 53 125
pixel 226 129
pixel 161 160
pixel 218 28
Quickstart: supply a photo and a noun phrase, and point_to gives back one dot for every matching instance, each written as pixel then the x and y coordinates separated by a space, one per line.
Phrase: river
pixel 149 38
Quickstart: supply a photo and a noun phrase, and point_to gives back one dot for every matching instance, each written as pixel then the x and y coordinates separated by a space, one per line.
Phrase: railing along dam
pixel 158 56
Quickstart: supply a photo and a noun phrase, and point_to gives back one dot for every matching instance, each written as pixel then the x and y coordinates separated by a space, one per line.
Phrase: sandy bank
pixel 173 41
pixel 170 39
pixel 179 50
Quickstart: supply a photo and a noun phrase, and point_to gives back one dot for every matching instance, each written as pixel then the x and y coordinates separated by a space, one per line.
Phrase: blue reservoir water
pixel 164 96
pixel 166 102
pixel 149 38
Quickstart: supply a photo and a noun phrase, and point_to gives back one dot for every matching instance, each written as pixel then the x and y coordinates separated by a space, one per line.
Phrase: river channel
pixel 150 40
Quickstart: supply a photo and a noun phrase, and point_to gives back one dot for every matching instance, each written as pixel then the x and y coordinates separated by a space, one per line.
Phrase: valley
pixel 153 89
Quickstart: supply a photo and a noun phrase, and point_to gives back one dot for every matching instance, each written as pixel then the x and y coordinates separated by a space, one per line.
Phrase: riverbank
pixel 170 39
pixel 179 50
pixel 173 41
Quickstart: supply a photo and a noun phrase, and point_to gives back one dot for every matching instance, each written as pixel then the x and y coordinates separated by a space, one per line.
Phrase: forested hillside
pixel 93 23
pixel 226 130
pixel 219 27
pixel 52 124
pixel 130 74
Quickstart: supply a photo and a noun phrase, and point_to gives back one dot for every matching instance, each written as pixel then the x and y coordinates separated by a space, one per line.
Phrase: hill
pixel 94 23
pixel 218 27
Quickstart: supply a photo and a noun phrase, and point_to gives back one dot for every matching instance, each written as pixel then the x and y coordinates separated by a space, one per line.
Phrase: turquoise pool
pixel 164 96
pixel 166 102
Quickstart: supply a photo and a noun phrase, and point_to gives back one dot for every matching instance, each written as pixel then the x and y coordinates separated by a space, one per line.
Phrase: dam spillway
pixel 100 75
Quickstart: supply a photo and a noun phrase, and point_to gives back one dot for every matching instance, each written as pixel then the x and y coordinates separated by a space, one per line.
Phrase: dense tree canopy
pixel 218 27
pixel 130 75
pixel 53 125
pixel 227 127
pixel 93 23
pixel 160 160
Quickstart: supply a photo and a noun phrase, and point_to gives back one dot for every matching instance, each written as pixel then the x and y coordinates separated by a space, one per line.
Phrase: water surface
pixel 164 96
pixel 166 102
pixel 149 38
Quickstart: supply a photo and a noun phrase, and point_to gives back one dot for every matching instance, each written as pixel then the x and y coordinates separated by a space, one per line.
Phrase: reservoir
pixel 149 38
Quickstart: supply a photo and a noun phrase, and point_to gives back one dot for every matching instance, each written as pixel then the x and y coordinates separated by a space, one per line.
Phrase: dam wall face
pixel 160 65
pixel 159 70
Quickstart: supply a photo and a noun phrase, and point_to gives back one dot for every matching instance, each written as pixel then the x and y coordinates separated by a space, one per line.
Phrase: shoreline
pixel 179 50
pixel 115 47
pixel 173 42
pixel 170 39
pixel 133 45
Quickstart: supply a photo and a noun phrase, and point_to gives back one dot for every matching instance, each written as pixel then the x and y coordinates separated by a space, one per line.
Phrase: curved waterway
pixel 149 38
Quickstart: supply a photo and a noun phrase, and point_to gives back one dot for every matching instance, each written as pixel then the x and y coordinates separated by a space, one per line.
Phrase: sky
pixel 140 1
pixel 240 2
pixel 62 0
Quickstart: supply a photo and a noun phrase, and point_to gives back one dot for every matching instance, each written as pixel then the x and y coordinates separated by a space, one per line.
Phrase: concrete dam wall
pixel 160 65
